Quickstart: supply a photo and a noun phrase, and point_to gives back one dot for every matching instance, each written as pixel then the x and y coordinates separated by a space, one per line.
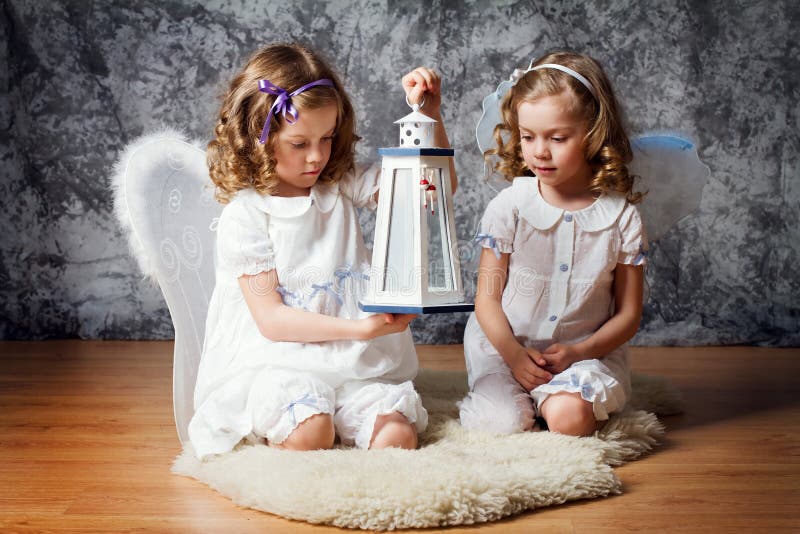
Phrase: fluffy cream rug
pixel 454 478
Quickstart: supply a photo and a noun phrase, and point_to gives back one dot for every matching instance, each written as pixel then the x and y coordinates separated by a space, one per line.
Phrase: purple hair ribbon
pixel 283 102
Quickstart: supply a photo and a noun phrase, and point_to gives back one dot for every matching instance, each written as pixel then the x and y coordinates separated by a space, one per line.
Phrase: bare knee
pixel 393 430
pixel 316 432
pixel 568 413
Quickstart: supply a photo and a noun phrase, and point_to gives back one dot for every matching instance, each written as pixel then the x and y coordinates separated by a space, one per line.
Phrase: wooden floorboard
pixel 87 439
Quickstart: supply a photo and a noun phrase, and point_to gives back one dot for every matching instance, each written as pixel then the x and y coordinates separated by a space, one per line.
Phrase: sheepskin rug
pixel 455 477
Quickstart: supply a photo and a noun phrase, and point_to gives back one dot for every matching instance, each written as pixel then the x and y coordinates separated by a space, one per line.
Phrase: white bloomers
pixel 281 399
pixel 498 404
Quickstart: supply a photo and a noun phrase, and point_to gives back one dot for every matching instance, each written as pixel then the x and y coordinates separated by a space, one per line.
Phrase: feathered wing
pixel 164 201
pixel 673 175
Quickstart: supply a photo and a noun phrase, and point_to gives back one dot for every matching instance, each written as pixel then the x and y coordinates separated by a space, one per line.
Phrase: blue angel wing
pixel 164 201
pixel 490 117
pixel 673 176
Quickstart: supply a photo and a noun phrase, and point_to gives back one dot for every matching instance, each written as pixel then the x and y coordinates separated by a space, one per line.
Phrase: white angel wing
pixel 164 201
pixel 672 174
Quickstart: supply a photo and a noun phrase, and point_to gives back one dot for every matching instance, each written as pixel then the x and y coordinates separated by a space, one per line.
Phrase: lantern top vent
pixel 416 129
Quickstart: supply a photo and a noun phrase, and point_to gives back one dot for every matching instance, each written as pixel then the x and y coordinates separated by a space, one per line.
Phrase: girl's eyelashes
pixel 556 139
pixel 302 144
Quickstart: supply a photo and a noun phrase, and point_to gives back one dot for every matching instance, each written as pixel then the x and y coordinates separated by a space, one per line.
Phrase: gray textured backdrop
pixel 81 79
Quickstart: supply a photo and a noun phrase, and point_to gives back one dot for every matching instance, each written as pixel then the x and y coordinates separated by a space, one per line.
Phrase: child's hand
pixel 382 324
pixel 559 357
pixel 526 368
pixel 423 83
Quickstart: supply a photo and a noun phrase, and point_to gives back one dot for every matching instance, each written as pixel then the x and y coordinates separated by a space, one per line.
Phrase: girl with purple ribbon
pixel 560 281
pixel 288 357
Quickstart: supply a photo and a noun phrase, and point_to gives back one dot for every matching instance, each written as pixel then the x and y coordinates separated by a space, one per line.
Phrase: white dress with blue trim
pixel 560 285
pixel 316 245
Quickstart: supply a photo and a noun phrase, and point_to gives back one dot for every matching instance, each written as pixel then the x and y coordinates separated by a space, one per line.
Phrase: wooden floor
pixel 87 439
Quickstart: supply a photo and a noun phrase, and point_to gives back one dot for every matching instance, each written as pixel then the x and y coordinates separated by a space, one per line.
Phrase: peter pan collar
pixel 601 214
pixel 323 196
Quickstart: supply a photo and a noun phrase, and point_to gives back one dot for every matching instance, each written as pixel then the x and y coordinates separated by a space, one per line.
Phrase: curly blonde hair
pixel 236 159
pixel 606 143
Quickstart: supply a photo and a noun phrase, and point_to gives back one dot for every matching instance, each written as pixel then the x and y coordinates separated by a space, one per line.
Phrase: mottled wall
pixel 81 79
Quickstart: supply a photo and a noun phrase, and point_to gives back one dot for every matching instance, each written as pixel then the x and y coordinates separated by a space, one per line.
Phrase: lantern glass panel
pixel 400 245
pixel 440 271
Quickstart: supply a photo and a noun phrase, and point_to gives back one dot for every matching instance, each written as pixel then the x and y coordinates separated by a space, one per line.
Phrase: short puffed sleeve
pixel 243 243
pixel 361 184
pixel 499 223
pixel 634 246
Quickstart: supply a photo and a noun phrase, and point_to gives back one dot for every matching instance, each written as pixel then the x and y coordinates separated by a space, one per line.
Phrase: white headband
pixel 518 73
pixel 491 117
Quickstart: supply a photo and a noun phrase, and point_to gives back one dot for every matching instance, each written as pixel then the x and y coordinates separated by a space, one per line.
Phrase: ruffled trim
pixel 253 267
pixel 497 244
pixel 295 413
pixel 634 258
pixel 408 403
pixel 593 381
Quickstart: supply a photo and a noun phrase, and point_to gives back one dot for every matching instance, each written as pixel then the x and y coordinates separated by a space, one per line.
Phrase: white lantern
pixel 415 263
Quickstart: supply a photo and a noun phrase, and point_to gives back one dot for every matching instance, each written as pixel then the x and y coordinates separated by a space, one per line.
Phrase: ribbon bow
pixel 306 400
pixel 342 274
pixel 283 102
pixel 325 288
pixel 516 75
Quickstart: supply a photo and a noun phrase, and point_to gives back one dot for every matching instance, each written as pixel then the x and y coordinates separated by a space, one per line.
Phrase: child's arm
pixel 424 83
pixel 279 322
pixel 628 292
pixel 492 277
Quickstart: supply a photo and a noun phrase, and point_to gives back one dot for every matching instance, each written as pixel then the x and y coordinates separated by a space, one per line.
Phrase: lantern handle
pixel 416 107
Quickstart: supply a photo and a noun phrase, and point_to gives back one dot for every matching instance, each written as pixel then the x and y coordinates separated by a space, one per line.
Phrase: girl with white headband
pixel 560 281
pixel 288 357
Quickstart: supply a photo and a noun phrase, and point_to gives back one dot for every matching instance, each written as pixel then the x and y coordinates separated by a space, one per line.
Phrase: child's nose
pixel 314 154
pixel 540 150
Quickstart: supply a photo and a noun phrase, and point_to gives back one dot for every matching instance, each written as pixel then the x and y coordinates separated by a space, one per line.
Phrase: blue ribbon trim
pixel 305 400
pixel 639 259
pixel 491 240
pixel 335 289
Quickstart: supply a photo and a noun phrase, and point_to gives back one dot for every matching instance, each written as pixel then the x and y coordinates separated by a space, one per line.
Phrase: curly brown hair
pixel 606 144
pixel 236 159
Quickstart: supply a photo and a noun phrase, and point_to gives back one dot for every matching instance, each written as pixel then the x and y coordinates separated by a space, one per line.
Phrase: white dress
pixel 248 385
pixel 559 287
